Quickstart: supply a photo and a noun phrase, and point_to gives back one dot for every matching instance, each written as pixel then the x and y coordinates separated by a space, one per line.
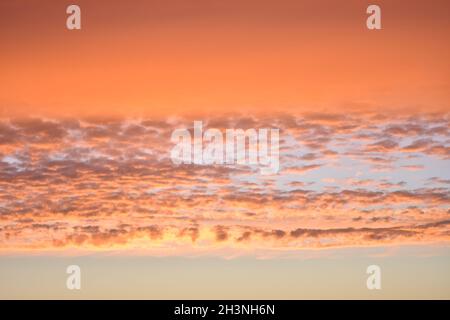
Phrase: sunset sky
pixel 86 176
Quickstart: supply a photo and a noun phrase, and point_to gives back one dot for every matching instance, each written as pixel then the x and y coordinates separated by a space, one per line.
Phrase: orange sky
pixel 170 57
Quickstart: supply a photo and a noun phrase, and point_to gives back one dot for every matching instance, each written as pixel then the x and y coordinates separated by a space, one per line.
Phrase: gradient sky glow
pixel 86 176
pixel 176 56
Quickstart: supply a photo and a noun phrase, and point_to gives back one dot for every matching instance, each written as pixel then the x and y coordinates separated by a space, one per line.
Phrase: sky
pixel 165 57
pixel 86 177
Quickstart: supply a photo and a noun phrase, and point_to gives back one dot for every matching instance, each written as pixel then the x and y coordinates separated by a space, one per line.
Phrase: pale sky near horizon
pixel 342 276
